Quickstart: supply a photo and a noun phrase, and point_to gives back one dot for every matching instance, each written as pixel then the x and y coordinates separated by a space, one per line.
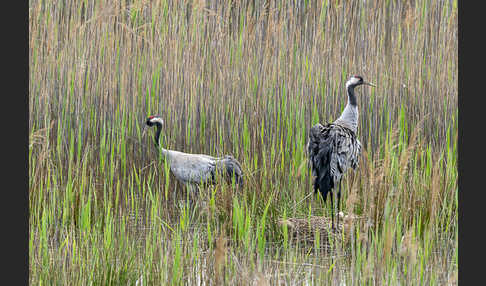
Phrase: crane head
pixel 151 121
pixel 154 120
pixel 356 80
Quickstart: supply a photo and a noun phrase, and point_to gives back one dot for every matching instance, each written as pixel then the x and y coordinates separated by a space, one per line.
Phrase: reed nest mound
pixel 305 229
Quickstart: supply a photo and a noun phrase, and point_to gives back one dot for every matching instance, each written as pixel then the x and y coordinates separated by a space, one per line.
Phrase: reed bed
pixel 247 79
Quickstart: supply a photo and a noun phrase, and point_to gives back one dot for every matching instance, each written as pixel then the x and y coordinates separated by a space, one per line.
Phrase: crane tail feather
pixel 232 168
pixel 320 150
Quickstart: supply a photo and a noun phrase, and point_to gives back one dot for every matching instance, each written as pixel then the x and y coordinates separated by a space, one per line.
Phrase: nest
pixel 306 229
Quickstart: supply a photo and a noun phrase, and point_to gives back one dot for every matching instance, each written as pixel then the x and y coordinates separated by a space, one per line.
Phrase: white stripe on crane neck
pixel 157 119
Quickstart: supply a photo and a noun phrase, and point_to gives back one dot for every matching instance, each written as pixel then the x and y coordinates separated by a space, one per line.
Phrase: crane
pixel 193 170
pixel 334 147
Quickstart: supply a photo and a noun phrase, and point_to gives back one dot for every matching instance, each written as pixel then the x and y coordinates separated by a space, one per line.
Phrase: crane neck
pixel 349 117
pixel 351 96
pixel 157 141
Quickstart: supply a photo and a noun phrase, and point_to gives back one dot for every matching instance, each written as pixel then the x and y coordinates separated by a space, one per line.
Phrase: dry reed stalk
pixel 219 258
pixel 408 247
pixel 261 280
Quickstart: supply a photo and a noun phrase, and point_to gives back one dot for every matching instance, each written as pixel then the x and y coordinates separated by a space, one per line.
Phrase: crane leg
pixel 338 203
pixel 332 210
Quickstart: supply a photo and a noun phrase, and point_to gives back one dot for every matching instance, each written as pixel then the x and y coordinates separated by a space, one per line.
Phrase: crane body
pixel 196 169
pixel 334 147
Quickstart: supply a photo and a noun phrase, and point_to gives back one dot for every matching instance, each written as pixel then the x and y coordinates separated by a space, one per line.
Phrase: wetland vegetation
pixel 247 79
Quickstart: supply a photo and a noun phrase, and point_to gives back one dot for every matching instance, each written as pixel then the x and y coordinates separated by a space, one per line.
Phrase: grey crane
pixel 195 169
pixel 334 147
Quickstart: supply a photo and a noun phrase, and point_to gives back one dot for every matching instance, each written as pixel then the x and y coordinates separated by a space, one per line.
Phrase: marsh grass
pixel 247 79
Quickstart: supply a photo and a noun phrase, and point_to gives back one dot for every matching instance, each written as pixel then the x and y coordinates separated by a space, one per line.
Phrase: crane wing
pixel 332 150
pixel 194 169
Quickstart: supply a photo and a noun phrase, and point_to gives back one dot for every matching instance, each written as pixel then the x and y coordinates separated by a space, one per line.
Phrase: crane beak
pixel 369 83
